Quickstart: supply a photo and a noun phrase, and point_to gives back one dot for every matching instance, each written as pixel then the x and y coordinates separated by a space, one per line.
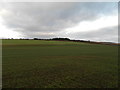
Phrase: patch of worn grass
pixel 54 64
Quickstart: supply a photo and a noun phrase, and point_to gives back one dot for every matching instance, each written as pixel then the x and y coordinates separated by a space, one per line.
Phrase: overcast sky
pixel 95 21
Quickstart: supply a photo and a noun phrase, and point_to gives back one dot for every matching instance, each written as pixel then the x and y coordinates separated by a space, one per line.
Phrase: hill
pixel 58 64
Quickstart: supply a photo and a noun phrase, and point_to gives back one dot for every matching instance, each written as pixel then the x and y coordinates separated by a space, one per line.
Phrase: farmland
pixel 58 64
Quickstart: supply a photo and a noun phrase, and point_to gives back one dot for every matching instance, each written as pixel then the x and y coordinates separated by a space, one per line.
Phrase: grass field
pixel 58 64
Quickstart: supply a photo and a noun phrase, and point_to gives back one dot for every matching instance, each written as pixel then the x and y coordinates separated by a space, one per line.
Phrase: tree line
pixel 67 39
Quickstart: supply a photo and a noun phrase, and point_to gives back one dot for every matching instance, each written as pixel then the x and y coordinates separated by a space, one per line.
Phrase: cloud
pixel 102 22
pixel 109 34
pixel 50 19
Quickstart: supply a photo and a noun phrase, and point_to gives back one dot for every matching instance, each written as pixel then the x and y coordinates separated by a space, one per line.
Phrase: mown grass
pixel 58 64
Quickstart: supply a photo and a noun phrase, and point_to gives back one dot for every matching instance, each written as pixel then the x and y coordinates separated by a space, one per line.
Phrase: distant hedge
pixel 61 39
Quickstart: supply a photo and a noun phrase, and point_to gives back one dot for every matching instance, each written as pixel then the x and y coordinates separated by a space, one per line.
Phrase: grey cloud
pixel 104 34
pixel 29 19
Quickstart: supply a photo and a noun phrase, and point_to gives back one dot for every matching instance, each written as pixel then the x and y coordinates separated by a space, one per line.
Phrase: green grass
pixel 58 64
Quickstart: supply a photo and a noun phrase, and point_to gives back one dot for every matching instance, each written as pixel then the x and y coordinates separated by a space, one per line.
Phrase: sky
pixel 95 21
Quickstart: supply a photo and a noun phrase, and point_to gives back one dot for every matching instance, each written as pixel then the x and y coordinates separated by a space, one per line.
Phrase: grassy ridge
pixel 36 42
pixel 50 64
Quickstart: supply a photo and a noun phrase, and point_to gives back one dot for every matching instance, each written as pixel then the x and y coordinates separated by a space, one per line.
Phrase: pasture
pixel 58 64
